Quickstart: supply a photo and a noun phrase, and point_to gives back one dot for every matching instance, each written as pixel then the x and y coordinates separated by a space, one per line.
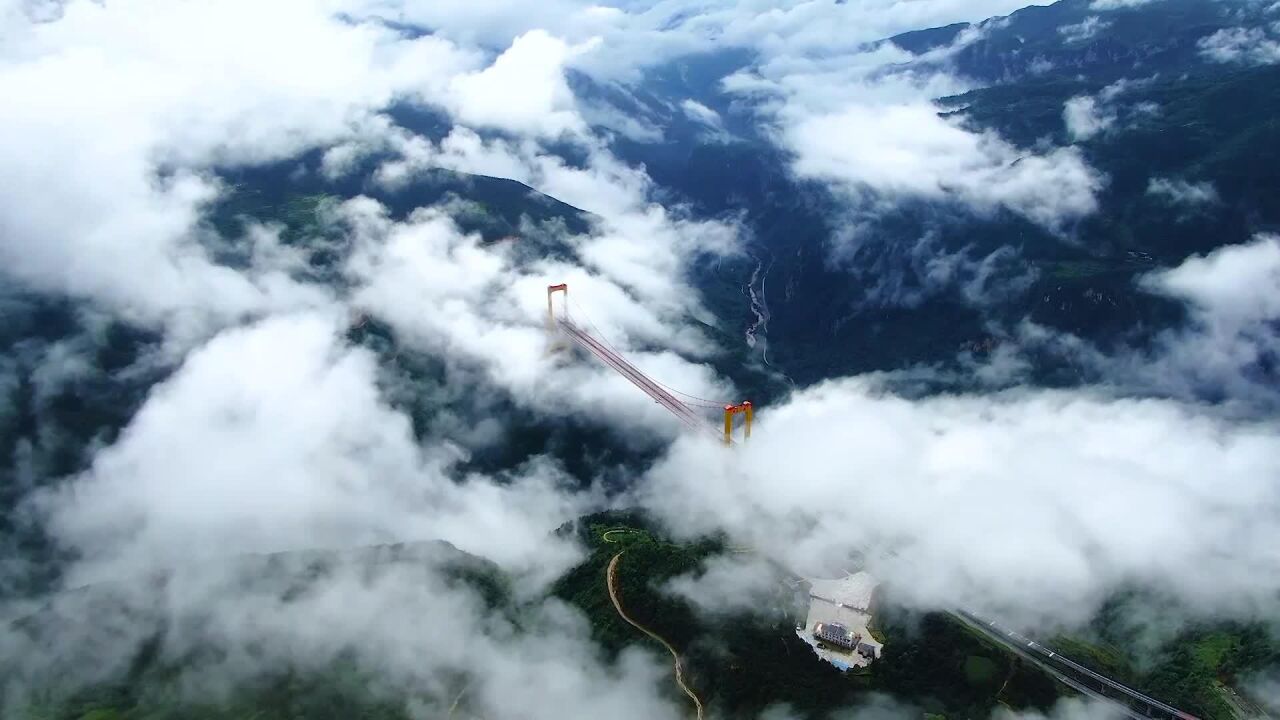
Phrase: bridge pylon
pixel 553 333
pixel 730 411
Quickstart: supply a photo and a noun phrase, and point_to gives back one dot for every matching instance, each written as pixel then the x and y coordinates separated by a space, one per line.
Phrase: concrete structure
pixel 856 591
pixel 869 648
pixel 839 613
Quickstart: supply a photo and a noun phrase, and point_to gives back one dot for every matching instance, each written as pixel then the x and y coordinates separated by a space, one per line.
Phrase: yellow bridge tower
pixel 729 411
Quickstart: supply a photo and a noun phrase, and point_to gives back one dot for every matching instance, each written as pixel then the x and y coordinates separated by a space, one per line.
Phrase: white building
pixel 836 634
pixel 839 613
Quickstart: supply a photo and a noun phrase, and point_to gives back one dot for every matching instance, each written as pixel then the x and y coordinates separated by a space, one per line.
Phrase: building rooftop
pixel 836 633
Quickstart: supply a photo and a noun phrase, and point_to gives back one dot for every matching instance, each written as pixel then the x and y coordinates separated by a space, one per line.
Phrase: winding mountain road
pixel 611 577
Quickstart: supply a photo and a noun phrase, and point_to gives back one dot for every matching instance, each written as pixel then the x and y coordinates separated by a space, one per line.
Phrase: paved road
pixel 1021 652
pixel 1059 666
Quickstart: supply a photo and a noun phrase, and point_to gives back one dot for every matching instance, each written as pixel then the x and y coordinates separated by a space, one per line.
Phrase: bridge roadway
pixel 683 412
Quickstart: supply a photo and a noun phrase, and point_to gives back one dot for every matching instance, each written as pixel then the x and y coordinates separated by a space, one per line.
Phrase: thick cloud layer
pixel 637 35
pixel 1084 118
pixel 864 119
pixel 398 613
pixel 106 203
pixel 447 293
pixel 275 432
pixel 105 156
pixel 1229 349
pixel 274 437
pixel 908 149
pixel 524 91
pixel 1031 504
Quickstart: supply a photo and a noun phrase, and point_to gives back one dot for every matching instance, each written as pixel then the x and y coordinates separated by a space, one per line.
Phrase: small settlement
pixel 839 613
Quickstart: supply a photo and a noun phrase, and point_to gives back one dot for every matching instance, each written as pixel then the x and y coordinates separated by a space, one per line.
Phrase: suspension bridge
pixel 691 411
pixel 688 409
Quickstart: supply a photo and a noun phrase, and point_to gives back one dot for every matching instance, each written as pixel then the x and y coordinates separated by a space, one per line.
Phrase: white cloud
pixel 1067 709
pixel 1035 505
pixel 1182 192
pixel 452 296
pixel 1113 91
pixel 797 29
pixel 701 113
pixel 634 37
pixel 1117 4
pixel 1232 339
pixel 1231 281
pixel 523 91
pixel 1085 118
pixel 638 244
pixel 1223 356
pixel 496 23
pixel 909 149
pixel 1083 30
pixel 423 641
pixel 730 584
pixel 278 434
pixel 1246 46
pixel 1266 688
pixel 275 437
pixel 865 121
pixel 114 191
pixel 112 124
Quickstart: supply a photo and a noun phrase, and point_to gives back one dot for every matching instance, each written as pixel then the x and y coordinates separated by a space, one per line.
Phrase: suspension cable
pixel 604 339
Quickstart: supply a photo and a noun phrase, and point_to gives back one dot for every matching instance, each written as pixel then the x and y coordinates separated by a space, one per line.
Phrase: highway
pixel 1059 666
pixel 1021 652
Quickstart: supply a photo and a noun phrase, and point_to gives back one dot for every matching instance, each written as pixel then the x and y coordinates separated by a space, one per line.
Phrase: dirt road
pixel 611 582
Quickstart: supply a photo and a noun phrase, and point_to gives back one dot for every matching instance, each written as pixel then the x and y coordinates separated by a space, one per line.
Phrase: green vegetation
pixel 1189 666
pixel 979 670
pixel 743 662
pixel 339 693
pixel 1105 659
pixel 840 307
pixel 1192 667
pixel 1217 125
pixel 495 208
pixel 1081 269
pixel 649 561
pixel 943 666
pixel 872 309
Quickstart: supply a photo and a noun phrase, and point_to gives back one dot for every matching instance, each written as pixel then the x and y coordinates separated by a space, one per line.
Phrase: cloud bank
pixel 1245 46
pixel 275 431
pixel 1029 504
